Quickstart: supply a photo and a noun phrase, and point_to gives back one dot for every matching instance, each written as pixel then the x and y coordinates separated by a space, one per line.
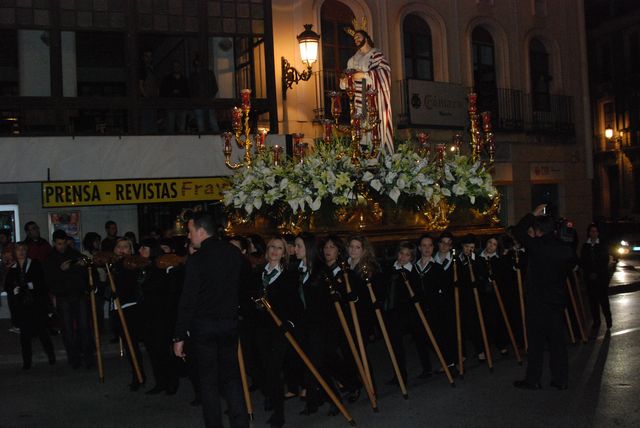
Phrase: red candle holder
pixel 336 104
pixel 245 94
pixel 236 119
pixel 328 131
pixel 486 121
pixel 227 143
pixel 473 99
pixel 440 150
pixel 372 107
pixel 261 138
pixel 276 154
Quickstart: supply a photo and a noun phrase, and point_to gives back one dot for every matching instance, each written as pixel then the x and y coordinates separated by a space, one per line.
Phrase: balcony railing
pixel 512 110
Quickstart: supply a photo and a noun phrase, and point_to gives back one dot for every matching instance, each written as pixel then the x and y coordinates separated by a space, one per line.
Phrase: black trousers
pixel 598 292
pixel 215 343
pixel 76 329
pixel 469 319
pixel 441 316
pixel 157 341
pixel 271 347
pixel 405 320
pixel 30 328
pixel 545 325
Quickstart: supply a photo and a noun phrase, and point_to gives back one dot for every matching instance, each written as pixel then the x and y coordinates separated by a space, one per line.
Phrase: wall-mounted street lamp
pixel 308 41
pixel 615 140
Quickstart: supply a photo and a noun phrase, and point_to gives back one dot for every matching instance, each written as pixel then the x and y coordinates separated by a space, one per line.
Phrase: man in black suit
pixel 208 313
pixel 549 261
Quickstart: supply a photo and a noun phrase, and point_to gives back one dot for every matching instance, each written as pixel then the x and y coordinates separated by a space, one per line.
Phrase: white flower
pixel 394 194
pixel 315 205
pixel 367 176
pixel 376 184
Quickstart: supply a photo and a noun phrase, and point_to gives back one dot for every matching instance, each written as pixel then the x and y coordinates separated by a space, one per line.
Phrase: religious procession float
pixel 345 182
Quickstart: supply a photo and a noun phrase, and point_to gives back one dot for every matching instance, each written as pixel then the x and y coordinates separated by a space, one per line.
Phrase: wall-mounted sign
pixel 437 103
pixel 121 192
pixel 546 171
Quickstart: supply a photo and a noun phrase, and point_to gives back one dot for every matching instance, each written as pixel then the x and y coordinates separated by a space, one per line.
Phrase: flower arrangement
pixel 328 178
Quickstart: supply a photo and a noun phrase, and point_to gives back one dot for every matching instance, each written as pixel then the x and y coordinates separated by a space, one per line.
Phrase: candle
pixel 328 131
pixel 245 94
pixel 473 98
pixel 236 115
pixel 371 101
pixel 486 121
pixel 336 106
pixel 276 155
pixel 227 143
pixel 260 139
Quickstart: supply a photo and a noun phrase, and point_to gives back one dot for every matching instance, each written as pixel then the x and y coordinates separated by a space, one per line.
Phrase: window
pixel 484 70
pixel 418 52
pixel 540 76
pixel 337 48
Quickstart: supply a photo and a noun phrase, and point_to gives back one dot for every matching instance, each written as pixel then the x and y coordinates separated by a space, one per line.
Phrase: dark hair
pixel 368 255
pixel 59 234
pixel 335 239
pixel 445 234
pixel 5 232
pixel 593 225
pixel 259 244
pixel 29 224
pixel 131 236
pixel 89 240
pixel 153 245
pixel 545 224
pixel 367 37
pixel 499 246
pixel 110 223
pixel 289 238
pixel 244 243
pixel 310 250
pixel 202 220
pixel 407 245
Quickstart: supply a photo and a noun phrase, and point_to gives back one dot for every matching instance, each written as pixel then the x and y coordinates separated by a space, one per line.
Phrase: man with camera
pixel 549 261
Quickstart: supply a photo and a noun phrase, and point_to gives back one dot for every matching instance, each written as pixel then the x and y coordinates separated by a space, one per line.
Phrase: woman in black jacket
pixel 28 297
pixel 157 312
pixel 279 286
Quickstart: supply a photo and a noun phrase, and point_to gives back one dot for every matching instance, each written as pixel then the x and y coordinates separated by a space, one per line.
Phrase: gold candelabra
pixel 359 123
pixel 242 135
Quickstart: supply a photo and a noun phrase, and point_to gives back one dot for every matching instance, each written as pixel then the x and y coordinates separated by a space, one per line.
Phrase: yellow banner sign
pixel 120 192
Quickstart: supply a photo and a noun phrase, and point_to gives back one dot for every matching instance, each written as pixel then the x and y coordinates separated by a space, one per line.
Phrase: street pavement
pixel 603 390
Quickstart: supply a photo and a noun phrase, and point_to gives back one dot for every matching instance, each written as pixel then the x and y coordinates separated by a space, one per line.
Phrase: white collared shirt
pixel 408 266
pixel 488 256
pixel 267 271
pixel 592 243
pixel 303 268
pixel 419 265
pixel 444 261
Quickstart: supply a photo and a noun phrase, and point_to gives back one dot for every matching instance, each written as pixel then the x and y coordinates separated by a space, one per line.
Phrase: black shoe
pixel 267 405
pixel 353 395
pixel 333 411
pixel 394 381
pixel 309 409
pixel 155 390
pixel 525 384
pixel 426 374
pixel 171 390
pixel 559 386
pixel 195 402
pixel 52 359
pixel 275 421
pixel 504 352
pixel 135 386
pixel 26 366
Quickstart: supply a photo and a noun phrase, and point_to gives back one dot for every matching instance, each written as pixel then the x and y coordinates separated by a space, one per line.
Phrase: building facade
pixel 84 70
pixel 614 47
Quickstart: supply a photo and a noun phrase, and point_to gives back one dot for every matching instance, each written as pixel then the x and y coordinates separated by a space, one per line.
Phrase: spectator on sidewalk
pixel 594 261
pixel 39 248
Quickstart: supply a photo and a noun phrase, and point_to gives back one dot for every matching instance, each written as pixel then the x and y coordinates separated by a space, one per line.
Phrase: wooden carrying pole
pixel 521 295
pixel 96 330
pixel 427 327
pixel 483 329
pixel 456 295
pixel 576 280
pixel 496 290
pixel 123 324
pixel 308 362
pixel 245 382
pixel 387 341
pixel 352 346
pixel 506 322
pixel 576 311
pixel 569 326
pixel 356 326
